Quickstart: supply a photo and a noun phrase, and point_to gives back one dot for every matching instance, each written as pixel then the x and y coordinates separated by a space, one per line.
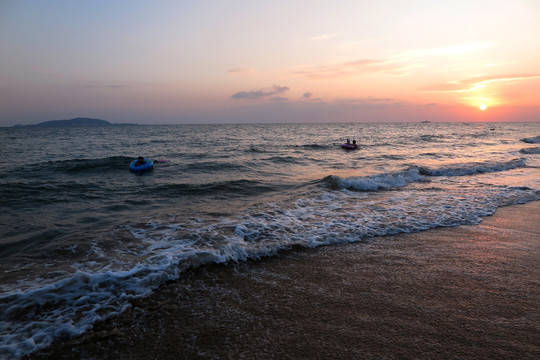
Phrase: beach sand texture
pixel 468 292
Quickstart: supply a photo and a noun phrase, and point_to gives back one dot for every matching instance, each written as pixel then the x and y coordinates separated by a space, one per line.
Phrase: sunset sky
pixel 167 62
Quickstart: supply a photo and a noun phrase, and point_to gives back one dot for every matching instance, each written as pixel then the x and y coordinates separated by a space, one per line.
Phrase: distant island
pixel 76 122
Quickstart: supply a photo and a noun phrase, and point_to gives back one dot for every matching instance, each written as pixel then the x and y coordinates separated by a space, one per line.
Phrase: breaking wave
pixel 473 168
pixel 532 140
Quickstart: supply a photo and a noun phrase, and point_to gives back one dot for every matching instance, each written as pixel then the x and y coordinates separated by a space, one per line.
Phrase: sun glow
pixel 483 107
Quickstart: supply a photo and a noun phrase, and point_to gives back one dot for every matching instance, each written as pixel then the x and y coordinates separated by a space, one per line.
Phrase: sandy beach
pixel 469 292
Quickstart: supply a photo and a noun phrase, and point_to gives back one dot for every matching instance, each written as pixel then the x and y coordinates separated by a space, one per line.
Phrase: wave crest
pixel 473 168
pixel 532 140
pixel 414 174
pixel 532 150
pixel 375 182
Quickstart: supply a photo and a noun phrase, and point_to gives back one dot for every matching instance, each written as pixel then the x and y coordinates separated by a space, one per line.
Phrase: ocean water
pixel 81 235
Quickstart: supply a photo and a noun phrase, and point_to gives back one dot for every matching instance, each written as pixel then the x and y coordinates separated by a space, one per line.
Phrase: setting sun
pixel 483 107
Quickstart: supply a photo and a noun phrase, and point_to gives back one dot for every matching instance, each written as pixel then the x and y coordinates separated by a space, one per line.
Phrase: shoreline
pixel 467 292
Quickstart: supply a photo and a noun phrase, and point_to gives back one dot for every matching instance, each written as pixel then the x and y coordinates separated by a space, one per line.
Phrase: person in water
pixel 355 144
pixel 140 161
pixel 349 141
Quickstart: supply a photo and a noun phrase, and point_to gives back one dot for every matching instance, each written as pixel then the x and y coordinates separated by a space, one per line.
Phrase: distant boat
pixel 426 122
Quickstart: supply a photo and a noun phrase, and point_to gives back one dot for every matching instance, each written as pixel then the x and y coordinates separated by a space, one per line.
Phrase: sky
pixel 233 61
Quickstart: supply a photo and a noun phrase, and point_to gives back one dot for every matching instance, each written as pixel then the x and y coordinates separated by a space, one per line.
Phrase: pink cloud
pixel 351 68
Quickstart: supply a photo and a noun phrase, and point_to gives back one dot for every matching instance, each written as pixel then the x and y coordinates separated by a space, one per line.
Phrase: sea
pixel 82 236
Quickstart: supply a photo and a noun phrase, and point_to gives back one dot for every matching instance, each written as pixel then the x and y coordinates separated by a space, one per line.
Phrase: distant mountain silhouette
pixel 76 122
pixel 80 121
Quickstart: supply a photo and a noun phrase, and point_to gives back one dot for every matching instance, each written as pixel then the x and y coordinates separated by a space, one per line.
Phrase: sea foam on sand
pixel 456 292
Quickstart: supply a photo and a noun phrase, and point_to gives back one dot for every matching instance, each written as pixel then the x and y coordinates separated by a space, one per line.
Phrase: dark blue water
pixel 81 235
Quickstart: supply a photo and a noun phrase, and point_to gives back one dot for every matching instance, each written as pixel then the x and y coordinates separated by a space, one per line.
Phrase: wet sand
pixel 469 292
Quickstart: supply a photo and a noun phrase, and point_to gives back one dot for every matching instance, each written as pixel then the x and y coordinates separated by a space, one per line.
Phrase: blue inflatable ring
pixel 148 164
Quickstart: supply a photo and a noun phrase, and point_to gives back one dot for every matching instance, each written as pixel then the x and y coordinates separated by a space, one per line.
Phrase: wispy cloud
pixel 459 49
pixel 323 37
pixel 371 101
pixel 241 71
pixel 477 83
pixel 397 64
pixel 262 93
pixel 349 69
